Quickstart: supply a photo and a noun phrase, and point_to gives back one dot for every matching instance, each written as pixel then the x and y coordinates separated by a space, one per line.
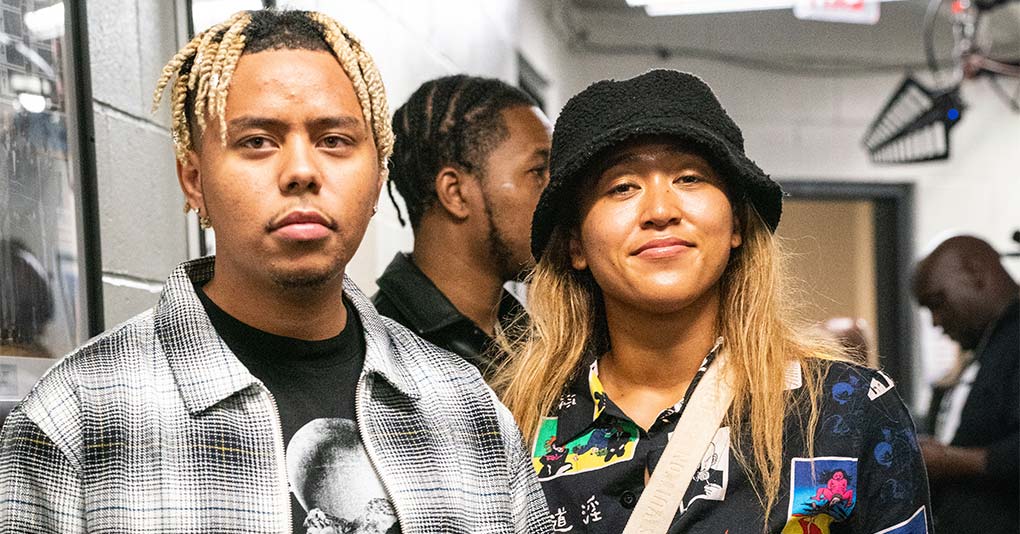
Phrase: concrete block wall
pixel 143 229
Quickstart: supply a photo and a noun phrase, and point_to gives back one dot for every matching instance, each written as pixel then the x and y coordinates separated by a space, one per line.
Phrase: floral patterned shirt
pixel 866 474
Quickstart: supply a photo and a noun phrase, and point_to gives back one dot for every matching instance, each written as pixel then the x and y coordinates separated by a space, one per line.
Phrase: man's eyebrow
pixel 338 121
pixel 267 123
pixel 262 123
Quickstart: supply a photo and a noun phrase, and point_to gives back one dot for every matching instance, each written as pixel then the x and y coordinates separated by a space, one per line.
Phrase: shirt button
pixel 628 499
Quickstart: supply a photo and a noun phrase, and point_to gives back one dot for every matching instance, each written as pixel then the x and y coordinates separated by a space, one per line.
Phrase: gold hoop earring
pixel 203 222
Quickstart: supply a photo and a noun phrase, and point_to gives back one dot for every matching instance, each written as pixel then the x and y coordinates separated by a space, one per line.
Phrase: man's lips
pixel 662 247
pixel 302 225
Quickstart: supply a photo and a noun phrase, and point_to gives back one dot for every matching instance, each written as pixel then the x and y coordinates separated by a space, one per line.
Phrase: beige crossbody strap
pixel 683 454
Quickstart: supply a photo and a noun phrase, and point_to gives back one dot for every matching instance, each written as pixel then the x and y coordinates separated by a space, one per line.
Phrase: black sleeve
pixel 1004 455
pixel 893 483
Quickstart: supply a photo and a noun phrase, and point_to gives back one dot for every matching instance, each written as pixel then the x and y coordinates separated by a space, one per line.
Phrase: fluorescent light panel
pixel 46 23
pixel 658 8
pixel 696 7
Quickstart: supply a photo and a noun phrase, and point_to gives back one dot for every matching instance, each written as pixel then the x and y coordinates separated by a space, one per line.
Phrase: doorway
pixel 852 244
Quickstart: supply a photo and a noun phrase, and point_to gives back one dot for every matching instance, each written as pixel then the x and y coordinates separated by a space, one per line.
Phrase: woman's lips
pixel 664 247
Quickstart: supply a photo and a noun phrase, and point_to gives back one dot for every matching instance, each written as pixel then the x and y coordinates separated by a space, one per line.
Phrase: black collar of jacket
pixel 1006 320
pixel 417 298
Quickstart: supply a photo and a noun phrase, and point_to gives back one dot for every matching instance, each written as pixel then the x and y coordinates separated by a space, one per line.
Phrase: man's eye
pixel 334 141
pixel 255 143
pixel 689 179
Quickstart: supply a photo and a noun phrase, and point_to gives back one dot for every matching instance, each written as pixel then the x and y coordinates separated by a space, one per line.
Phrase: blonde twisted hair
pixel 205 66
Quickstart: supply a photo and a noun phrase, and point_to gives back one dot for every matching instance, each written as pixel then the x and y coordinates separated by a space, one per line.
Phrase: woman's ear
pixel 737 238
pixel 577 258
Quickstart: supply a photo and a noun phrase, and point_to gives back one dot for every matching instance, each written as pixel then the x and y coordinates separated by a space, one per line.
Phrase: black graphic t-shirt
pixel 865 476
pixel 334 487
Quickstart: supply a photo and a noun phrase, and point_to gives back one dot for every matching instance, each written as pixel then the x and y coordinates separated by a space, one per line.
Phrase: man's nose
pixel 300 172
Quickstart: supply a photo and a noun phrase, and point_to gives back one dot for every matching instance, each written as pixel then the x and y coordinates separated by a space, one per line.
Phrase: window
pixel 41 299
pixel 529 80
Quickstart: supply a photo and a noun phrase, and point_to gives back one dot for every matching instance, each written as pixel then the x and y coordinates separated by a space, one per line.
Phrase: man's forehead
pixel 527 116
pixel 289 64
pixel 271 82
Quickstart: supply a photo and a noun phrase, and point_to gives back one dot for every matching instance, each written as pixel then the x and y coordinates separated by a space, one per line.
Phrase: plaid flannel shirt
pixel 155 426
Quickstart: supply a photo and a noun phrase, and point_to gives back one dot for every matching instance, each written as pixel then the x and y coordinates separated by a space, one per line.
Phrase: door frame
pixel 894 258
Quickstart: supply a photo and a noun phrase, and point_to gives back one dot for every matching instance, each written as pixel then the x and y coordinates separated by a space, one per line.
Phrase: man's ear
pixel 189 175
pixel 577 258
pixel 379 186
pixel 451 190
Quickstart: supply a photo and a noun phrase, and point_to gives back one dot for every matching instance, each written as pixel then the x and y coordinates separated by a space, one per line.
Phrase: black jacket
pixel 990 419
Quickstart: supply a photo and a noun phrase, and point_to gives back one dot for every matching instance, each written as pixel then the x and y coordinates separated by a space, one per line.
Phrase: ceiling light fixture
pixel 914 125
pixel 659 8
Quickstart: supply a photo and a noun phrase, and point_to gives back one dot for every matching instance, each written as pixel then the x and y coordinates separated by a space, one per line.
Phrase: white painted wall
pixel 413 41
pixel 800 127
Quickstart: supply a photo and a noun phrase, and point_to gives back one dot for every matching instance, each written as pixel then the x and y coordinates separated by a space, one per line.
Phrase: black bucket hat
pixel 659 102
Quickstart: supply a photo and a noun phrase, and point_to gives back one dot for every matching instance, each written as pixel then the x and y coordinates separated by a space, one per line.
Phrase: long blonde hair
pixel 761 335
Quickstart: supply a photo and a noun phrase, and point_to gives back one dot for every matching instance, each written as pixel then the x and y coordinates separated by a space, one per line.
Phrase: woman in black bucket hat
pixel 658 288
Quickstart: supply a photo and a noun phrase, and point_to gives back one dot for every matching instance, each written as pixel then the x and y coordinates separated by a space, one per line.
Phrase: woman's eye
pixel 689 179
pixel 621 188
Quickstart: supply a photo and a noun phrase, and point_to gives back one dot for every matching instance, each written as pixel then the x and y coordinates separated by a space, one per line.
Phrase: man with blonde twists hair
pixel 264 393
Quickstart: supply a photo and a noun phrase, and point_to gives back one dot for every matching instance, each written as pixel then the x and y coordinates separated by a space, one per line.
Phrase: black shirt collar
pixel 422 303
pixel 417 298
pixel 1007 317
pixel 584 400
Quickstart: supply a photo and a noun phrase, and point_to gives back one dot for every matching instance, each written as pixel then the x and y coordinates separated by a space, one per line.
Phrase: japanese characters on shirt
pixel 590 512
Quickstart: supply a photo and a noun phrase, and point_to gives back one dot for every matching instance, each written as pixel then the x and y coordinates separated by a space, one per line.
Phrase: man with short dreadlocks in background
pixel 264 393
pixel 470 159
